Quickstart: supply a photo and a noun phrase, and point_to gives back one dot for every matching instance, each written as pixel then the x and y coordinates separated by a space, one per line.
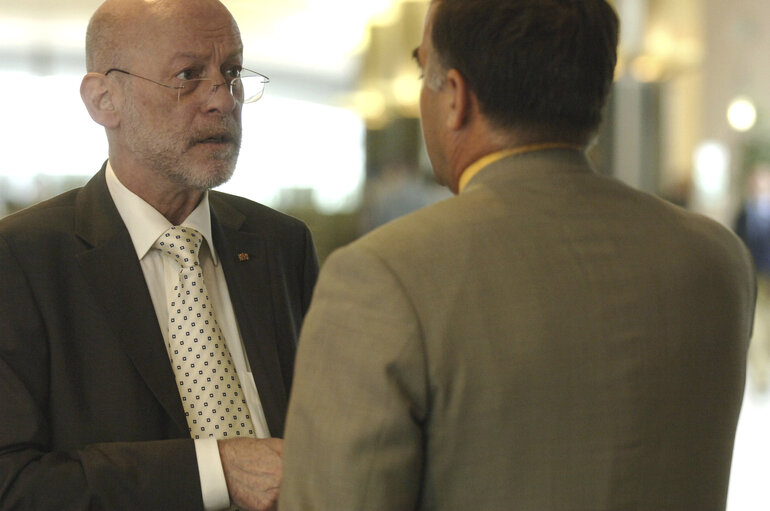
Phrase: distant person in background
pixel 753 226
pixel 397 189
pixel 548 339
pixel 148 325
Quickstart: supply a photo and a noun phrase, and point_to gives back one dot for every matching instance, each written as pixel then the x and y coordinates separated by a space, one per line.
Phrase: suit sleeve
pixel 33 474
pixel 356 413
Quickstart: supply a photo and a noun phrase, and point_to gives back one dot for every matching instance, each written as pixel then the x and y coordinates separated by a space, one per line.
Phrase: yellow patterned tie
pixel 208 384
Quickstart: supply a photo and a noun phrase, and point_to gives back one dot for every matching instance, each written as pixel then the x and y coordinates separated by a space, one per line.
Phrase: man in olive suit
pixel 549 338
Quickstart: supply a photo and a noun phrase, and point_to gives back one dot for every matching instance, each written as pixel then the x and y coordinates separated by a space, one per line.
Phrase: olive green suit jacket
pixel 549 339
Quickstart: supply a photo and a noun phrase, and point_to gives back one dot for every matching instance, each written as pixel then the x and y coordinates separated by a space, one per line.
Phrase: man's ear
pixel 98 98
pixel 459 100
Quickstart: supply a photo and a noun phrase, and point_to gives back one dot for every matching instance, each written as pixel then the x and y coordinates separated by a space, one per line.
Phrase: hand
pixel 253 471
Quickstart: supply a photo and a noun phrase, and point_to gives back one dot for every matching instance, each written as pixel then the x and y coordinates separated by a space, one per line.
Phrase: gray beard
pixel 225 161
pixel 219 170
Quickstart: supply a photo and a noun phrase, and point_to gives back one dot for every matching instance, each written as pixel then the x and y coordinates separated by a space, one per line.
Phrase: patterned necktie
pixel 208 383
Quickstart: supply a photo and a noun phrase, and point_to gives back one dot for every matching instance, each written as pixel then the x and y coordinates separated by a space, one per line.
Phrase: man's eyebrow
pixel 195 57
pixel 187 56
pixel 416 56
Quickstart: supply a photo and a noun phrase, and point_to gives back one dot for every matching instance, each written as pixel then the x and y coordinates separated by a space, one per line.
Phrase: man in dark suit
pixel 548 339
pixel 94 416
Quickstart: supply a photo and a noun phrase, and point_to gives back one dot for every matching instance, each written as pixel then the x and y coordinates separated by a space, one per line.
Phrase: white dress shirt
pixel 145 224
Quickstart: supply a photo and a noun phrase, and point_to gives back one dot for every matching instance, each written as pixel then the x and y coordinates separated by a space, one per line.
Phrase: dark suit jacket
pixel 90 414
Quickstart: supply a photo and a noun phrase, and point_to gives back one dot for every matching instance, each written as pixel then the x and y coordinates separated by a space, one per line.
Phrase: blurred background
pixel 336 138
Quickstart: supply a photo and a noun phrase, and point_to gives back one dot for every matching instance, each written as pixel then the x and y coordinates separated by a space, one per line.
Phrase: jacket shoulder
pixel 52 213
pixel 255 214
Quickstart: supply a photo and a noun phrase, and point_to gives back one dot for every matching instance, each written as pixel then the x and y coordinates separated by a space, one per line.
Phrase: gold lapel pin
pixel 243 256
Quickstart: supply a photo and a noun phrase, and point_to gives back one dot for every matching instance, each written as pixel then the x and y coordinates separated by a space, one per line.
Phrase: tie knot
pixel 181 244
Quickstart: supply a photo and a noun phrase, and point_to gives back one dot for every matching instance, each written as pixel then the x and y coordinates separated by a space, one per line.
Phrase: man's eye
pixel 188 74
pixel 233 72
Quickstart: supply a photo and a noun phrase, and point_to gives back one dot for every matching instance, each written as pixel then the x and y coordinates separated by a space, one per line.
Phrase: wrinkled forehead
pixel 200 28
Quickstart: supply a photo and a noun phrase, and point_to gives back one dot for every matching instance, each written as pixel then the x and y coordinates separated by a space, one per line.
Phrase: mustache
pixel 227 131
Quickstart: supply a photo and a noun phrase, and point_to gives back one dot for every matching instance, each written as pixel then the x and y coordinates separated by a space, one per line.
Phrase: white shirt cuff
pixel 213 484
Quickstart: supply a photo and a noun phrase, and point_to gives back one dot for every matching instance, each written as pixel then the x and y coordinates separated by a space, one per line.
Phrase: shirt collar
pixel 145 224
pixel 489 159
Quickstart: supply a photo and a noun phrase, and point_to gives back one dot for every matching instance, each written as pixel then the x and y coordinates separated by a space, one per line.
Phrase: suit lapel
pixel 116 278
pixel 245 262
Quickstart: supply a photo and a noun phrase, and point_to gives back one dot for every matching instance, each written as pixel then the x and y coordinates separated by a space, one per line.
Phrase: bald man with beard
pixel 93 414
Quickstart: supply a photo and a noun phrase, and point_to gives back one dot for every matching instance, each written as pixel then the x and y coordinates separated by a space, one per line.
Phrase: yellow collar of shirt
pixel 489 159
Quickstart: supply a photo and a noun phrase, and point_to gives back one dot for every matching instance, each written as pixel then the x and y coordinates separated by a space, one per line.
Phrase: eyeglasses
pixel 249 87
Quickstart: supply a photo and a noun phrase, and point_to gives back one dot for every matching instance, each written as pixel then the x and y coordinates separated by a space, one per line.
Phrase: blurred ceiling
pixel 321 38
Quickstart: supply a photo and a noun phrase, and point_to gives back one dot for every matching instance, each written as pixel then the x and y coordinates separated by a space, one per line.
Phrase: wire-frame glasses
pixel 249 87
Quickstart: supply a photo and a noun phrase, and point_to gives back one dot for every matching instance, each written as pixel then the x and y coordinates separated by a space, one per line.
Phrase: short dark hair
pixel 545 65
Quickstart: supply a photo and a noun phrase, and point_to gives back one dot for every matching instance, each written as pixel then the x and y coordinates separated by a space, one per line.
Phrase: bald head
pixel 120 29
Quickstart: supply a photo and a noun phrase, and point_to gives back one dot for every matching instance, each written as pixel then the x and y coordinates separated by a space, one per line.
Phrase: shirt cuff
pixel 213 484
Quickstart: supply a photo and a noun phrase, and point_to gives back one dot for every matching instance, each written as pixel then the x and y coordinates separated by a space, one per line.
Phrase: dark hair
pixel 545 65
